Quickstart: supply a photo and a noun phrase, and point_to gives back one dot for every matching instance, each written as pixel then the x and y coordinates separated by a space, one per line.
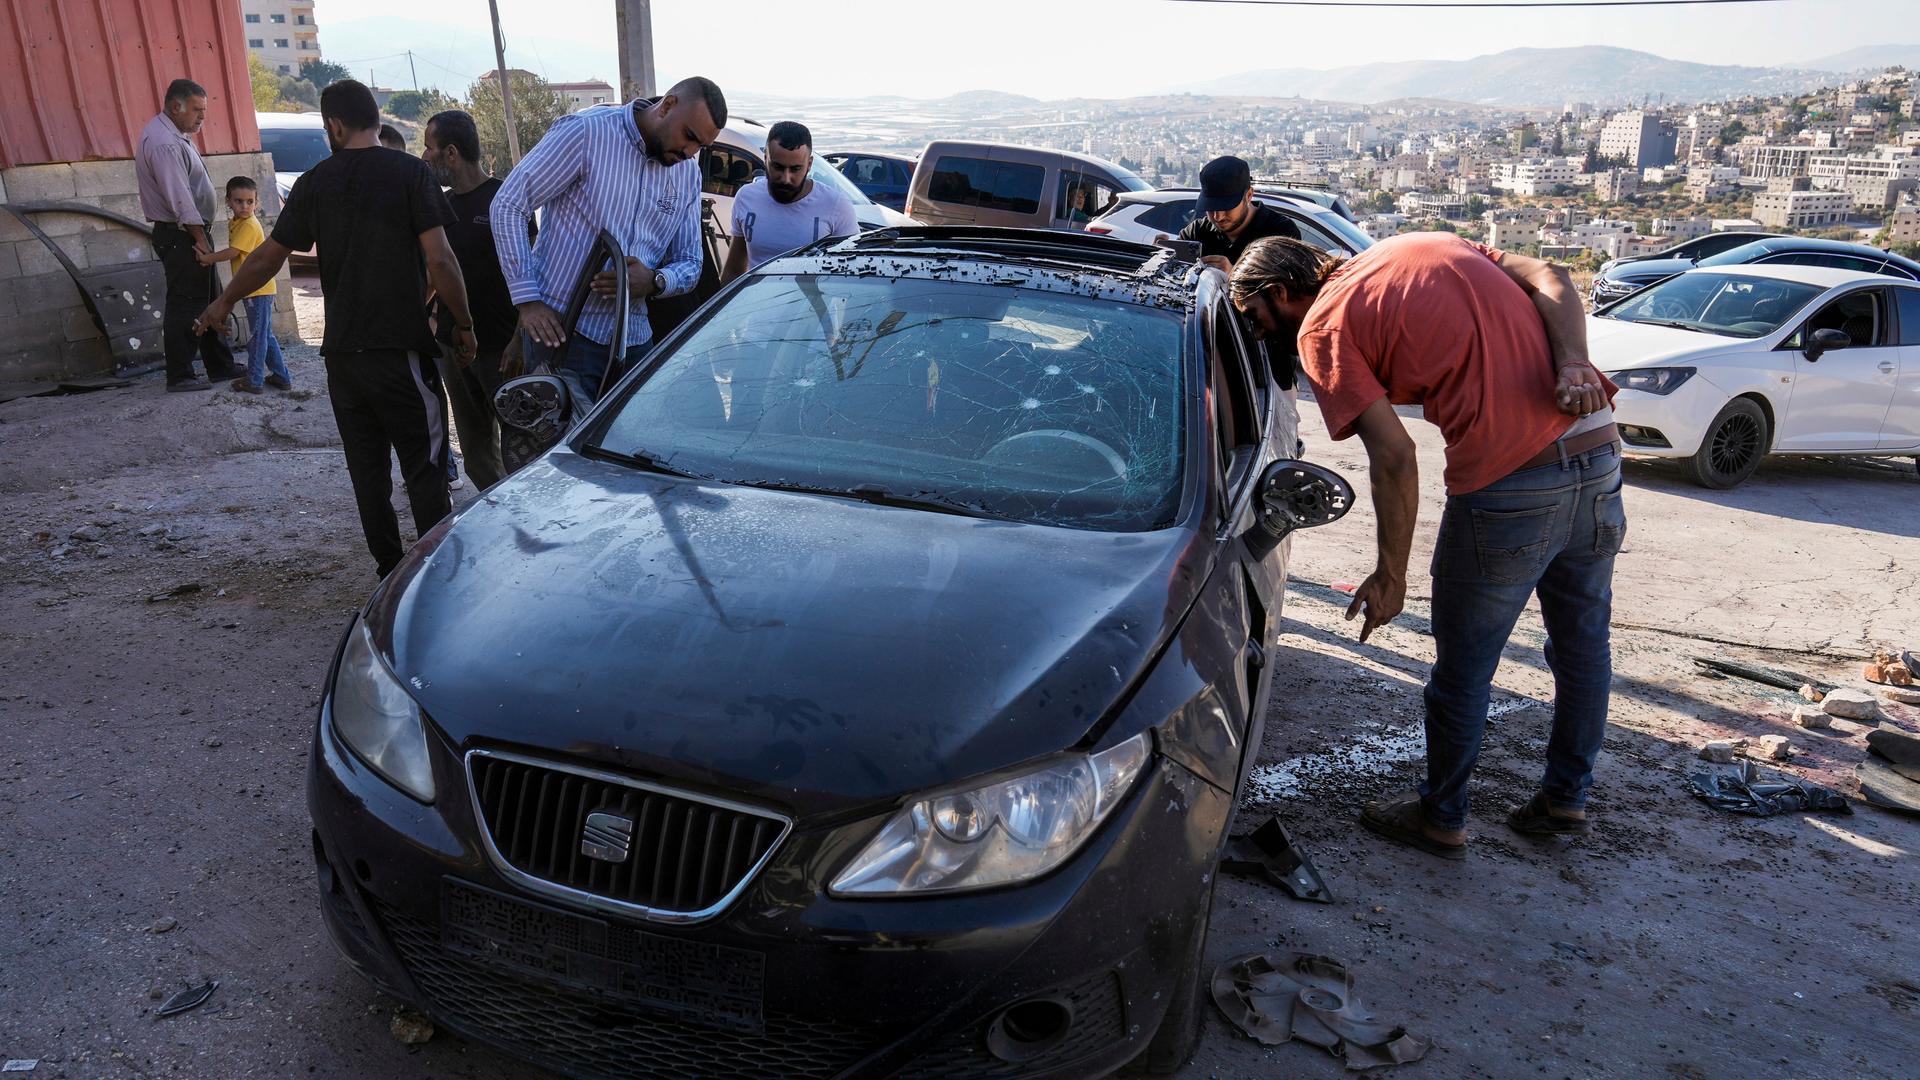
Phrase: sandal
pixel 1401 819
pixel 1535 818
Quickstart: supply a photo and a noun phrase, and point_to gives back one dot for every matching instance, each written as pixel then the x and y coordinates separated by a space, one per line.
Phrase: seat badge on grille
pixel 607 837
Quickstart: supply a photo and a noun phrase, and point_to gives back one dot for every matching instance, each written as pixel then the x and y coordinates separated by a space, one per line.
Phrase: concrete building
pixel 1512 234
pixel 76 146
pixel 1903 227
pixel 1638 137
pixel 1615 184
pixel 1420 204
pixel 1874 180
pixel 1677 230
pixel 1767 162
pixel 585 95
pixel 1627 246
pixel 281 32
pixel 1381 226
pixel 1708 182
pixel 1534 176
pixel 1802 209
pixel 1738 224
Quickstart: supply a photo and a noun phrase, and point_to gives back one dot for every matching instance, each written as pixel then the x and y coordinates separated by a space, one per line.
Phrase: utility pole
pixel 506 91
pixel 633 25
pixel 412 72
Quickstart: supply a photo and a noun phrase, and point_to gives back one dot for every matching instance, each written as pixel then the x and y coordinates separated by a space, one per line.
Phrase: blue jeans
pixel 263 349
pixel 582 364
pixel 1552 530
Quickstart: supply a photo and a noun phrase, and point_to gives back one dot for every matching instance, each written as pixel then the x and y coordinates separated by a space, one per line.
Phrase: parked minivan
pixel 975 183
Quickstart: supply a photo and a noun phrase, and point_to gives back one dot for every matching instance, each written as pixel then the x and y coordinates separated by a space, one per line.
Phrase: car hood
pixel 814 653
pixel 1618 345
pixel 1647 270
pixel 881 217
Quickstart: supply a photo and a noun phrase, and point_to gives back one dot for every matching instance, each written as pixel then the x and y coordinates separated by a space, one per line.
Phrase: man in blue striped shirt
pixel 632 170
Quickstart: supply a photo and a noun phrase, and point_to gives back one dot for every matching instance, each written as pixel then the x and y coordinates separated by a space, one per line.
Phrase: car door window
pixel 901 174
pixel 1236 407
pixel 724 170
pixel 1315 235
pixel 1826 258
pixel 1170 217
pixel 1909 315
pixel 990 185
pixel 1900 272
pixel 1859 315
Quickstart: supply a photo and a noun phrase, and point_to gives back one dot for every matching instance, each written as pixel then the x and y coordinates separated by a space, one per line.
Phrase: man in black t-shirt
pixel 1230 218
pixel 453 153
pixel 378 222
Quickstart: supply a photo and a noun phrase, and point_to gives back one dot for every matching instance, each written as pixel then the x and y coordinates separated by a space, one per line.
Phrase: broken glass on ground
pixel 1743 789
pixel 1282 997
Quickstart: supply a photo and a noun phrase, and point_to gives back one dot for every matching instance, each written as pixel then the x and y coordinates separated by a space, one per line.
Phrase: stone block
pixel 1719 751
pixel 64 224
pixel 46 327
pixel 39 183
pixel 1850 704
pixel 35 258
pixel 91 357
pixel 1774 748
pixel 9 264
pixel 115 246
pixel 1809 716
pixel 92 179
pixel 43 291
pixel 80 324
pixel 124 205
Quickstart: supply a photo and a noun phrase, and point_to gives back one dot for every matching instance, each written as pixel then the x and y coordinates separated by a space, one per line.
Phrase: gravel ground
pixel 160 682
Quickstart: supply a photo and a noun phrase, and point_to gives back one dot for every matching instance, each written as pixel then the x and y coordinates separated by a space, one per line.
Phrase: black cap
pixel 1223 183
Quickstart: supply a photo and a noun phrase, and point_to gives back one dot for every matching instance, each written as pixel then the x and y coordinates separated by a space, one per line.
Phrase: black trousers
pixel 470 392
pixel 387 403
pixel 190 288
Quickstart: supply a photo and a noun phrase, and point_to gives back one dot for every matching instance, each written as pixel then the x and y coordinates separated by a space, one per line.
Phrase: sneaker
pixel 241 384
pixel 456 484
pixel 279 383
pixel 181 386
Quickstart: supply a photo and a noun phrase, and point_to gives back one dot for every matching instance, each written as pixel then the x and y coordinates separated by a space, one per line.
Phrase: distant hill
pixel 1868 58
pixel 1520 77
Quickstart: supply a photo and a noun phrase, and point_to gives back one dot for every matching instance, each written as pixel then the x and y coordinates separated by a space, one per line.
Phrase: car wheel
pixel 1179 1033
pixel 1735 442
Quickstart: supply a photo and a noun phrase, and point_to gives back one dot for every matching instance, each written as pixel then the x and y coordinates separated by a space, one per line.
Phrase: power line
pixel 1510 4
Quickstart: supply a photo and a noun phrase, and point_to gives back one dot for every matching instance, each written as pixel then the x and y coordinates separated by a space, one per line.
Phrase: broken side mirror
pixel 1825 341
pixel 1298 495
pixel 535 405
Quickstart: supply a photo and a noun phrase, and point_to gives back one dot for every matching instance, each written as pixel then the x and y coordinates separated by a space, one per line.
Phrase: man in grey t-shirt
pixel 785 209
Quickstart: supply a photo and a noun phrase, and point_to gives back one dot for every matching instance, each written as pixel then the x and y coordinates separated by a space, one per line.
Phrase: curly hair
pixel 1279 260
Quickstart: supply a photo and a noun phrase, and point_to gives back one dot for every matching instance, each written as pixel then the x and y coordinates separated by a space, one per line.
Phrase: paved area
pixel 160 680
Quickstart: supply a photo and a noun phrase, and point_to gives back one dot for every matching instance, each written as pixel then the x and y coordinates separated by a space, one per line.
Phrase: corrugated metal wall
pixel 79 78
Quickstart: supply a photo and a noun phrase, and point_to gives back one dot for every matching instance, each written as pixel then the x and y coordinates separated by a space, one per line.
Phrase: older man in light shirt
pixel 177 196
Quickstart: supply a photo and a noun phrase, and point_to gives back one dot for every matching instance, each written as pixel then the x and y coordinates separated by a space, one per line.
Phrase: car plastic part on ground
pixel 1744 789
pixel 1280 997
pixel 1269 852
pixel 191 998
pixel 1766 676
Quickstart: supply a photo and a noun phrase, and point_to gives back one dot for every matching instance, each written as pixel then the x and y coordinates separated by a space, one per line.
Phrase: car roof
pixel 1078 263
pixel 883 156
pixel 1824 276
pixel 288 120
pixel 949 145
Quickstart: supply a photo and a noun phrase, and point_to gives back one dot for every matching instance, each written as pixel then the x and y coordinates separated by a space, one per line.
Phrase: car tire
pixel 1734 444
pixel 1178 1036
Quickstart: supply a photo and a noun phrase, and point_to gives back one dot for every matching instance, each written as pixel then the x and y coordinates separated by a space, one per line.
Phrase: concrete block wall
pixel 46 331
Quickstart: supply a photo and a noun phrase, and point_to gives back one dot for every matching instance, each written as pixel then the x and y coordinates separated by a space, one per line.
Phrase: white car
pixel 738 155
pixel 297 142
pixel 1722 366
pixel 1147 216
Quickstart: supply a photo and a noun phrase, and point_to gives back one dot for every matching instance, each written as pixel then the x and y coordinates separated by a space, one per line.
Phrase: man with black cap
pixel 1229 218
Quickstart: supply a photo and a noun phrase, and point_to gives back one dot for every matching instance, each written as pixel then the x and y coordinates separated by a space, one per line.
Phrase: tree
pixel 266 86
pixel 535 108
pixel 1559 141
pixel 298 94
pixel 419 104
pixel 323 73
pixel 1476 206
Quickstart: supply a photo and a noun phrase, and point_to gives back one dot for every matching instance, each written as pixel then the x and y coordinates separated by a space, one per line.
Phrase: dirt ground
pixel 160 675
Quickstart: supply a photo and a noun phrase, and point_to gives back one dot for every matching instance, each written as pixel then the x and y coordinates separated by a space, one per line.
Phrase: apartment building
pixel 1768 162
pixel 1420 204
pixel 1904 226
pixel 1802 209
pixel 1639 137
pixel 1874 181
pixel 281 32
pixel 1615 184
pixel 585 95
pixel 1708 182
pixel 1677 230
pixel 1512 234
pixel 1534 176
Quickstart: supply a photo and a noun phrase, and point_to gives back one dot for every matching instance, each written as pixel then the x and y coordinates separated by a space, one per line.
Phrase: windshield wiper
pixel 639 459
pixel 876 494
pixel 1674 323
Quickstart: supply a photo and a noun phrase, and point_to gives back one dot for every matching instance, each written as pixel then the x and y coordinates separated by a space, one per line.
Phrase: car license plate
pixel 714 985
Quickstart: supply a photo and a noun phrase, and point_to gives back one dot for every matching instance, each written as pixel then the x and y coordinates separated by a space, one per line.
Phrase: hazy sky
pixel 1092 48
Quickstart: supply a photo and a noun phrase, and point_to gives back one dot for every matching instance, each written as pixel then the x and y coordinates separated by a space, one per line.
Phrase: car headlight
pixel 1653 380
pixel 378 720
pixel 1005 832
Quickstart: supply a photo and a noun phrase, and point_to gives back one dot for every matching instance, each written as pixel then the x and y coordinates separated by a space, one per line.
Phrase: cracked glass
pixel 981 399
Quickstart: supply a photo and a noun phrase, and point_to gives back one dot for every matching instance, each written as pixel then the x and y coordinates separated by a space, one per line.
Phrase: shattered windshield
pixel 1735 306
pixel 984 399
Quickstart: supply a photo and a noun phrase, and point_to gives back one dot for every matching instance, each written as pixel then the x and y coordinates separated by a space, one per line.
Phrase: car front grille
pixel 580 1033
pixel 682 857
pixel 1099 1024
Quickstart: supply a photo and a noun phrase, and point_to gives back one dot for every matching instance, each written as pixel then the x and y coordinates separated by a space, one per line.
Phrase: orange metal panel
pixel 79 78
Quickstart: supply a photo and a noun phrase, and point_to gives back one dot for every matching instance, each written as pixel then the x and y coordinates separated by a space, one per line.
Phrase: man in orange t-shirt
pixel 1492 346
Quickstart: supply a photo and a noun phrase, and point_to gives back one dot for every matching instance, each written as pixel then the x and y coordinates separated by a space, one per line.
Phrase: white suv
pixel 1147 216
